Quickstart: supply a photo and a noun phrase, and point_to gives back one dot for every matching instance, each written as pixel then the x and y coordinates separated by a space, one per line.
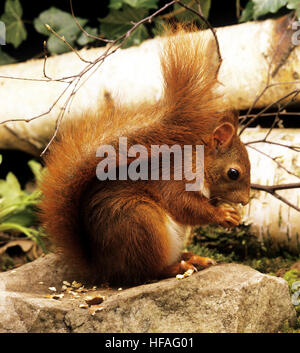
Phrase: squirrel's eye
pixel 233 174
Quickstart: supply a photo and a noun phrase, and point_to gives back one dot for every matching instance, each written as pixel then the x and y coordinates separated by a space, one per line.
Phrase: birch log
pixel 272 220
pixel 133 75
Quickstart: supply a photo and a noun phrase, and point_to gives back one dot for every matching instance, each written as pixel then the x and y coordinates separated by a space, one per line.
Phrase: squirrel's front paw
pixel 201 262
pixel 197 261
pixel 229 216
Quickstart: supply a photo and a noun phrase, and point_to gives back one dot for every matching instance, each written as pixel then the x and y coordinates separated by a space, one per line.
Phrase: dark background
pixel 222 13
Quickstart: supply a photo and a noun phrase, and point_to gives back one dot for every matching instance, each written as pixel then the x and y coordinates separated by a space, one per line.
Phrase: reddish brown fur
pixel 117 228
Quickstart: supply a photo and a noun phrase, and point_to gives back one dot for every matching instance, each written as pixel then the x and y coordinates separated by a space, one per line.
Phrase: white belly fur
pixel 177 233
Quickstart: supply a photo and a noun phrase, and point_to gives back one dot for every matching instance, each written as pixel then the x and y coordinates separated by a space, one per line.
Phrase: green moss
pixel 287 328
pixel 240 245
pixel 6 262
pixel 237 243
pixel 292 276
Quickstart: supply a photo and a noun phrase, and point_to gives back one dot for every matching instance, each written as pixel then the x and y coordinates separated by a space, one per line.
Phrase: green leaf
pixel 137 37
pixel 25 218
pixel 159 26
pixel 146 4
pixel 248 12
pixel 63 24
pixel 115 4
pixel 262 7
pixel 12 17
pixel 118 23
pixel 5 59
pixel 83 39
pixel 36 169
pixel 185 15
pixel 18 208
pixel 10 190
pixel 294 5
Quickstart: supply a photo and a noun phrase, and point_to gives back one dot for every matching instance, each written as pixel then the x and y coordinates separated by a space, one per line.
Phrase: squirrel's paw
pixel 197 261
pixel 201 262
pixel 229 216
pixel 177 268
pixel 189 263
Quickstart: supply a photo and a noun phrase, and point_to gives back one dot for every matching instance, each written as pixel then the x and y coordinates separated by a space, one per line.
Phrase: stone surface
pixel 223 298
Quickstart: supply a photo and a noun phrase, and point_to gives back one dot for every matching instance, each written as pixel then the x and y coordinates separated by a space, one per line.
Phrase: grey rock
pixel 222 298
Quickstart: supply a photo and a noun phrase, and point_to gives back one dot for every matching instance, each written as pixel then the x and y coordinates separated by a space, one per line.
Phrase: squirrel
pixel 132 231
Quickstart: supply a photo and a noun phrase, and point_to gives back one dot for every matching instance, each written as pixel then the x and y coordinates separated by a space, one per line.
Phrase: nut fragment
pixel 83 306
pixel 76 284
pixel 94 300
pixel 57 296
pixel 179 276
pixel 188 272
pixel 95 308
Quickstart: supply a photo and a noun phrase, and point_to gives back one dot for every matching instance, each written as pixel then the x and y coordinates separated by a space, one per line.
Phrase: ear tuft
pixel 223 135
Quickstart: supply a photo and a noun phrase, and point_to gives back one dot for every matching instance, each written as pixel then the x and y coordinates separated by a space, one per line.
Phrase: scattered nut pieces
pixel 74 290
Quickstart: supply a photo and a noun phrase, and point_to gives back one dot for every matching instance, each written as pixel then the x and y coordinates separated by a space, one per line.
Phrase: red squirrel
pixel 132 231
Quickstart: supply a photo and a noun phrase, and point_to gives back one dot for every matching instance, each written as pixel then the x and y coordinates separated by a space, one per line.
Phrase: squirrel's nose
pixel 245 200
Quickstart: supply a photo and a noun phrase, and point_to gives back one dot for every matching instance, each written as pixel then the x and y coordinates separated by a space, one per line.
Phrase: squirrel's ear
pixel 222 135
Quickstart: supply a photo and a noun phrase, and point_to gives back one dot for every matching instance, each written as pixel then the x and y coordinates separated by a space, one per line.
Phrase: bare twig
pixel 209 26
pixel 28 120
pixel 293 93
pixel 294 148
pixel 45 60
pixel 274 159
pixel 271 189
pixel 62 38
pixel 84 31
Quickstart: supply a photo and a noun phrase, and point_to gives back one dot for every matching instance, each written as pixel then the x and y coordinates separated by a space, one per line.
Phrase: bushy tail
pixel 71 164
pixel 190 65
